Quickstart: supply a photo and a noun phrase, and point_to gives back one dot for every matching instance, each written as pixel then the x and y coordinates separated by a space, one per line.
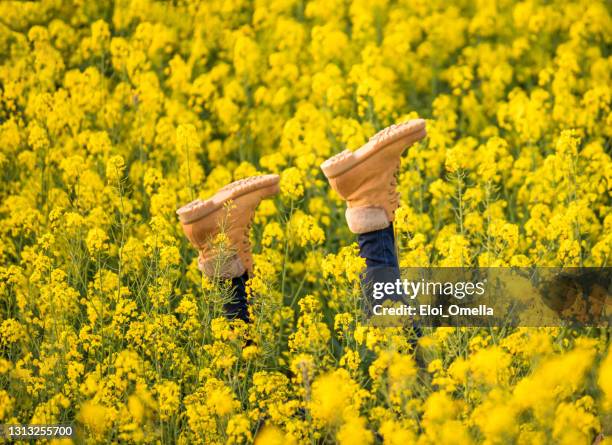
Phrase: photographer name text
pixel 425 310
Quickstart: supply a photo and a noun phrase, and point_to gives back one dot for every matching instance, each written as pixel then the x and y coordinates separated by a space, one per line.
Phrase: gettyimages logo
pixel 488 296
pixel 410 289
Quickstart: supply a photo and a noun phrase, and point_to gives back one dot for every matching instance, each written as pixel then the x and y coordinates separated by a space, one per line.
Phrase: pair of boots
pixel 365 179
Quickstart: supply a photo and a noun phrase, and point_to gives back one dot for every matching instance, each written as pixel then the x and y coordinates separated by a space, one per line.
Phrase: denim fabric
pixel 237 308
pixel 378 248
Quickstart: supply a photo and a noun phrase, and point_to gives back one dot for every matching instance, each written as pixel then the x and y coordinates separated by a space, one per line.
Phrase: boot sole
pixel 198 208
pixel 413 130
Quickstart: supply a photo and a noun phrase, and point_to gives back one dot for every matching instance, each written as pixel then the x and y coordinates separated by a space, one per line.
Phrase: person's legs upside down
pixel 366 180
pixel 229 212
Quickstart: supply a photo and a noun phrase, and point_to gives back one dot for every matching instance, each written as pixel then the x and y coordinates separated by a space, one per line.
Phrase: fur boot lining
pixel 366 219
pixel 222 268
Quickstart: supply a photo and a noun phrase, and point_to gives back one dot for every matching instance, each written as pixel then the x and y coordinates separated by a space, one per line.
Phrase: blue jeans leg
pixel 378 249
pixel 238 308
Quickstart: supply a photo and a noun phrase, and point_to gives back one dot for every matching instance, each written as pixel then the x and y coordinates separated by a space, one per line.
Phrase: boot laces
pixel 246 243
pixel 393 193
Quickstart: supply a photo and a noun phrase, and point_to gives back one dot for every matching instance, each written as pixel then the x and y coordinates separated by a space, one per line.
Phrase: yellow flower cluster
pixel 113 113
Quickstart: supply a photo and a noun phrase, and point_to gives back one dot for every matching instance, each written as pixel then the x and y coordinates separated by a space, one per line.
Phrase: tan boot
pixel 366 179
pixel 230 211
